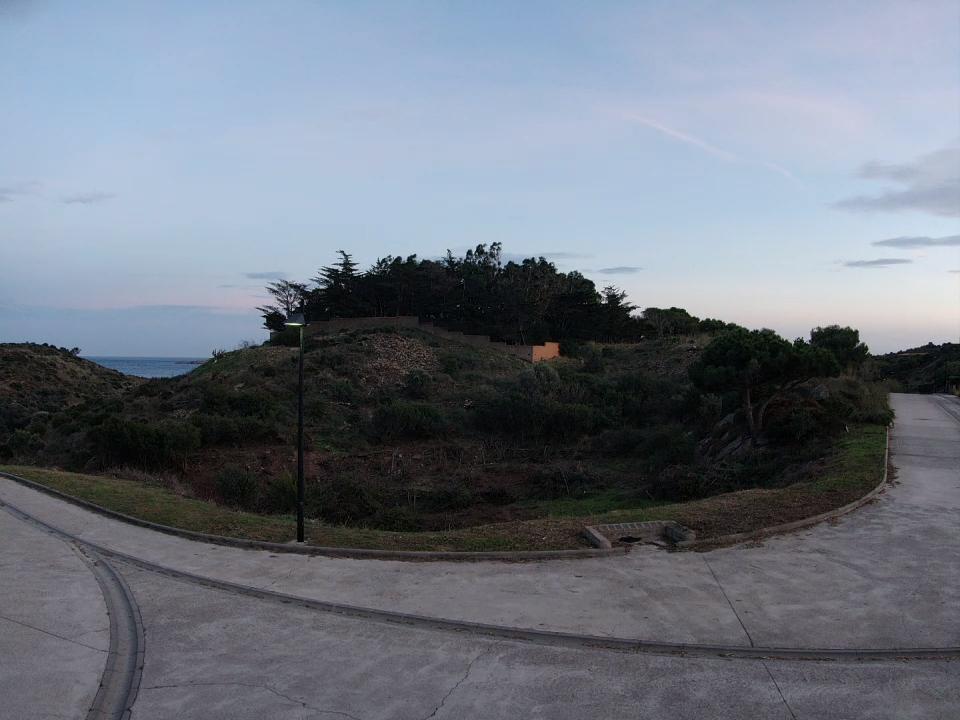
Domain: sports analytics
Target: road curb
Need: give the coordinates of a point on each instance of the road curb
(120, 681)
(355, 553)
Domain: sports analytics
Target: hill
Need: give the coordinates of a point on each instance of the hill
(407, 431)
(38, 382)
(930, 368)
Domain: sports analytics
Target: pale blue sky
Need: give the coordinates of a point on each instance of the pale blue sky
(152, 155)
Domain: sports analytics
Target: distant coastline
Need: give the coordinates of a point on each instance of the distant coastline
(148, 367)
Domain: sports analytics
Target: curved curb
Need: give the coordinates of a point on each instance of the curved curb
(734, 538)
(342, 552)
(540, 637)
(120, 681)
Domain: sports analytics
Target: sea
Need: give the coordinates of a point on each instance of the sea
(149, 367)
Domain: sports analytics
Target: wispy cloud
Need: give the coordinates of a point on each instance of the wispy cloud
(619, 270)
(705, 146)
(88, 198)
(931, 184)
(878, 263)
(918, 242)
(9, 192)
(266, 275)
(685, 138)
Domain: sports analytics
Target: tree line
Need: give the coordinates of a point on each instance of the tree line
(525, 302)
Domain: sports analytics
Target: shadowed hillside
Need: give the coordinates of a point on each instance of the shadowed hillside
(926, 369)
(407, 431)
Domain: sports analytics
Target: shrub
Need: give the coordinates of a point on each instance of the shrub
(238, 487)
(621, 441)
(668, 445)
(417, 384)
(342, 390)
(24, 443)
(447, 499)
(401, 419)
(800, 422)
(343, 500)
(571, 348)
(453, 361)
(397, 519)
(279, 495)
(128, 442)
(555, 482)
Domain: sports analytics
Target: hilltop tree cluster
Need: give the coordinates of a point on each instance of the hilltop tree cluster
(526, 302)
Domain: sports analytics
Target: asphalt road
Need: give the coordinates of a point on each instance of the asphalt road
(883, 580)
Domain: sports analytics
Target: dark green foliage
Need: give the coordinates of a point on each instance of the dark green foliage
(843, 342)
(448, 499)
(525, 302)
(801, 422)
(402, 419)
(279, 495)
(343, 500)
(417, 384)
(23, 444)
(288, 298)
(930, 368)
(149, 446)
(238, 487)
(232, 430)
(760, 365)
(397, 518)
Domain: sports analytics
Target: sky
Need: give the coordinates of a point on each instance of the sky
(774, 164)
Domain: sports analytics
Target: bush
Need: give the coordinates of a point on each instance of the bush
(417, 384)
(621, 441)
(343, 500)
(279, 495)
(127, 442)
(401, 419)
(445, 500)
(397, 519)
(24, 443)
(668, 445)
(238, 487)
(556, 482)
(452, 362)
(223, 430)
(342, 390)
(801, 422)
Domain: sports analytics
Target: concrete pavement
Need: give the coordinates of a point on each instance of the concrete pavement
(883, 577)
(54, 629)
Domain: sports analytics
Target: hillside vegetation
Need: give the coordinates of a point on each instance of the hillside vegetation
(930, 368)
(408, 432)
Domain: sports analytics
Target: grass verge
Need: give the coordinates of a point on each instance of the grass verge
(855, 468)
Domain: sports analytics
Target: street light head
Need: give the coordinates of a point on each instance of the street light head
(295, 320)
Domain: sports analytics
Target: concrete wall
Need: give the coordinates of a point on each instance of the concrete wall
(530, 353)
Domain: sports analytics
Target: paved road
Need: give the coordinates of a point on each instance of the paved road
(884, 577)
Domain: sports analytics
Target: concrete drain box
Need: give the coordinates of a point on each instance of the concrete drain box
(651, 532)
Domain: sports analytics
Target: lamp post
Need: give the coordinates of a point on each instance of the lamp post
(298, 320)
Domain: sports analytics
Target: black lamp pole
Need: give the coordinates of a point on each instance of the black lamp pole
(298, 320)
(300, 483)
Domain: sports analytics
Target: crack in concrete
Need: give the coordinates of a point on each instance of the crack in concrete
(259, 686)
(462, 680)
(727, 598)
(51, 634)
(90, 632)
(779, 691)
